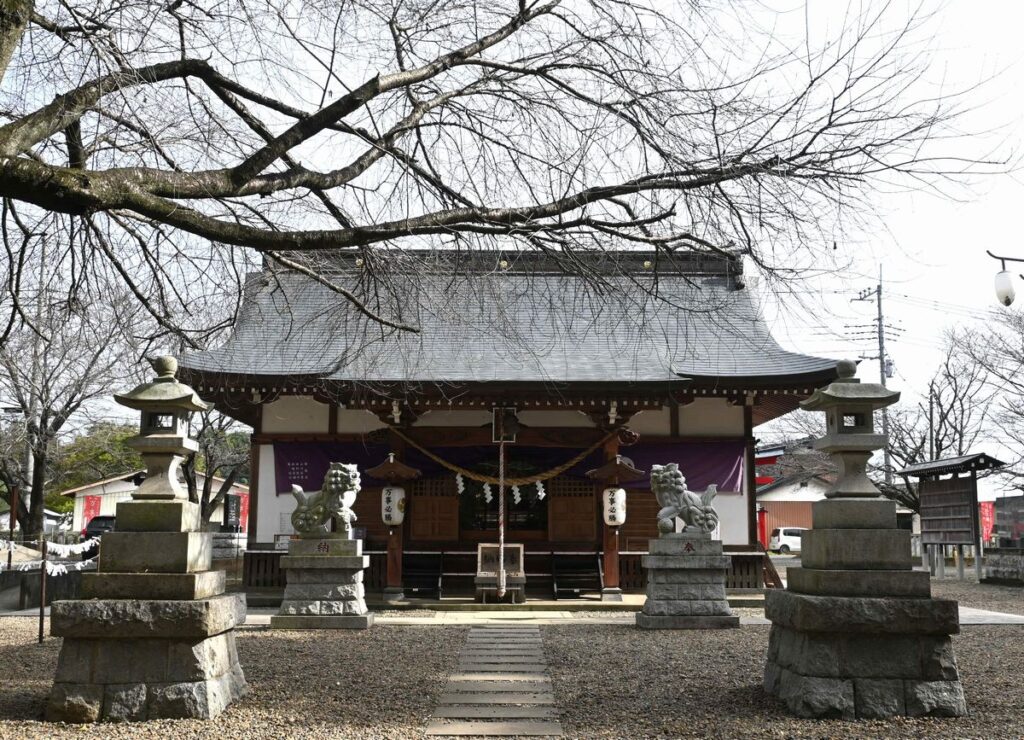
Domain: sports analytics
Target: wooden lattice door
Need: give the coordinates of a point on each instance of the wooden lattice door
(572, 511)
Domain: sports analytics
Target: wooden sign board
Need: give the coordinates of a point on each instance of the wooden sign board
(487, 560)
(949, 511)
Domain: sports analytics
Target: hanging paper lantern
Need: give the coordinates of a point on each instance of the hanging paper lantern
(614, 506)
(392, 505)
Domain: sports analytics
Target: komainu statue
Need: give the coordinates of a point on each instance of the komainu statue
(669, 487)
(314, 510)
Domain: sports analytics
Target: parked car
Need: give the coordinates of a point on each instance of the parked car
(96, 527)
(786, 539)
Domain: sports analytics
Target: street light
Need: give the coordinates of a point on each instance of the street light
(1005, 292)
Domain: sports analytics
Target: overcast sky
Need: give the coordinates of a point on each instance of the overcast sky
(932, 249)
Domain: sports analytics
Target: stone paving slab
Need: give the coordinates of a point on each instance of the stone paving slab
(499, 676)
(484, 711)
(498, 658)
(523, 728)
(499, 697)
(484, 686)
(498, 667)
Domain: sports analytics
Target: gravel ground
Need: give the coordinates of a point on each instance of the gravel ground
(981, 595)
(381, 683)
(613, 681)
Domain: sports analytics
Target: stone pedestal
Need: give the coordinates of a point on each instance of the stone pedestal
(153, 636)
(324, 585)
(686, 584)
(856, 634)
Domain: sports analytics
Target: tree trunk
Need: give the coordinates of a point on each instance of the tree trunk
(14, 16)
(225, 487)
(37, 503)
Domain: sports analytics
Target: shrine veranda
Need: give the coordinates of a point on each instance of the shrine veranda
(693, 396)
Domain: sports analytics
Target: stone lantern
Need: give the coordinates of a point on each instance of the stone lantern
(856, 633)
(163, 441)
(153, 634)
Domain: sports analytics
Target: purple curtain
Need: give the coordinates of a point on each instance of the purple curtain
(703, 463)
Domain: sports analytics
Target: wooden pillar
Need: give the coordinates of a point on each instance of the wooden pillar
(394, 582)
(393, 590)
(610, 543)
(750, 472)
(254, 477)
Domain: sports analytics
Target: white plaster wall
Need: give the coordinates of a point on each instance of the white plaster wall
(710, 417)
(732, 517)
(300, 414)
(267, 509)
(652, 421)
(458, 418)
(358, 421)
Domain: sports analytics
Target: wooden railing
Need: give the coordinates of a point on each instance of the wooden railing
(749, 571)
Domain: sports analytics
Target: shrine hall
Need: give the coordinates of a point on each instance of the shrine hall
(602, 364)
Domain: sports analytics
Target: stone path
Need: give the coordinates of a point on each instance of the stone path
(501, 687)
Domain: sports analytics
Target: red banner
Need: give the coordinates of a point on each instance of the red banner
(90, 508)
(987, 516)
(243, 512)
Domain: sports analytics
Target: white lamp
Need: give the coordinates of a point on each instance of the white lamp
(614, 506)
(1004, 287)
(392, 505)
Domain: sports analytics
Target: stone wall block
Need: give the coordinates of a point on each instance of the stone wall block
(299, 607)
(125, 702)
(772, 673)
(879, 698)
(355, 607)
(130, 618)
(198, 661)
(938, 663)
(179, 700)
(713, 591)
(883, 656)
(76, 660)
(856, 549)
(662, 591)
(934, 698)
(130, 661)
(825, 698)
(75, 702)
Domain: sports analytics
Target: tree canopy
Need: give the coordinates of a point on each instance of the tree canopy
(176, 145)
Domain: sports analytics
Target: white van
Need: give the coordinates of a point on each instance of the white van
(786, 539)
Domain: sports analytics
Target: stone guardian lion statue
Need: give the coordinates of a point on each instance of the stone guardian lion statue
(669, 487)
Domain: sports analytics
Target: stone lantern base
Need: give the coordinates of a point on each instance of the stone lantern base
(857, 635)
(324, 585)
(171, 659)
(153, 635)
(686, 584)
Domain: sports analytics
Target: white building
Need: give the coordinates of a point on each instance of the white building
(101, 498)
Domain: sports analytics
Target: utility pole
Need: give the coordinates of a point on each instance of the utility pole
(864, 295)
(931, 420)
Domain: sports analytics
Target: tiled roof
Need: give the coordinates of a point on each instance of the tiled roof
(507, 326)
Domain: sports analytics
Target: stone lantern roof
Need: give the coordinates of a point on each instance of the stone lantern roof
(847, 390)
(164, 391)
